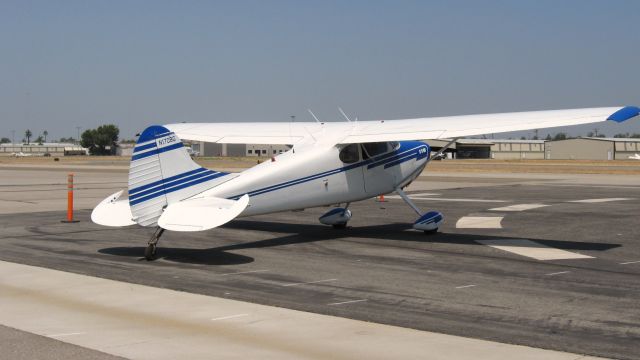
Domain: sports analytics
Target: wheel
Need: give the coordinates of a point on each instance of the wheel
(431, 232)
(340, 226)
(150, 252)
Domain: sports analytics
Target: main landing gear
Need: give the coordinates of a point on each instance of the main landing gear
(338, 217)
(150, 251)
(428, 222)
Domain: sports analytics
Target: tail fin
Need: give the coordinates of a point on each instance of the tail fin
(162, 172)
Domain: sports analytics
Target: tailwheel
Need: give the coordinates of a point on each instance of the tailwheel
(150, 250)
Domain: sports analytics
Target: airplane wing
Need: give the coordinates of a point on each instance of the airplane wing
(397, 130)
(245, 132)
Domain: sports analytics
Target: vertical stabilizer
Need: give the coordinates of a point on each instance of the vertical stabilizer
(161, 173)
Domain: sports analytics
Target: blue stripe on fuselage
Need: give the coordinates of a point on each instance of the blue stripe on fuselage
(408, 150)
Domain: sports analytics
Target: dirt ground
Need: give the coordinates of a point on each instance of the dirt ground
(622, 167)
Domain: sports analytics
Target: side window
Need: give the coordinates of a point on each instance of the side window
(349, 154)
(374, 149)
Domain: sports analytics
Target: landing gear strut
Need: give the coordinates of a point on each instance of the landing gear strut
(150, 251)
(429, 222)
(344, 215)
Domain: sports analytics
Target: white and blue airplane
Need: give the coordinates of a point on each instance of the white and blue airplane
(329, 163)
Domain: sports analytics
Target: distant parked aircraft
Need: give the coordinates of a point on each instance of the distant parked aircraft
(635, 157)
(329, 163)
(21, 154)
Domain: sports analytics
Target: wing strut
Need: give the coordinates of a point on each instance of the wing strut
(444, 148)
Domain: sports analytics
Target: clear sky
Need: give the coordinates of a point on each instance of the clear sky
(134, 63)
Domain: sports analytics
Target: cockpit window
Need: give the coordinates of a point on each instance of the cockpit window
(350, 154)
(374, 149)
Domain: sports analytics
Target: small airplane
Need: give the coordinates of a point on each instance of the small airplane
(329, 163)
(21, 154)
(635, 157)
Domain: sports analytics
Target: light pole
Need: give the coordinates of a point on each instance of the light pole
(13, 137)
(78, 138)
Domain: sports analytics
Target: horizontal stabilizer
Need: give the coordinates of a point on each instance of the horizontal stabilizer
(113, 212)
(201, 214)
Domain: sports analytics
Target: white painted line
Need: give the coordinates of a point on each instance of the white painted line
(347, 302)
(558, 273)
(310, 282)
(229, 317)
(464, 286)
(519, 207)
(411, 196)
(532, 249)
(459, 200)
(599, 200)
(243, 272)
(630, 262)
(479, 222)
(65, 334)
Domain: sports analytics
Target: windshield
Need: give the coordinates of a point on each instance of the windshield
(375, 149)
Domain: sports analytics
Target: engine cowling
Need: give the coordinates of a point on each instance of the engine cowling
(430, 221)
(337, 216)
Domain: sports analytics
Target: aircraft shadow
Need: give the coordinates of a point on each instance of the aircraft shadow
(302, 233)
(213, 256)
(308, 233)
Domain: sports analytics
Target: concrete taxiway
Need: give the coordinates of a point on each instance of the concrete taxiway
(544, 261)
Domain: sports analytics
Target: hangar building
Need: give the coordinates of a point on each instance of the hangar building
(491, 149)
(46, 149)
(592, 148)
(214, 149)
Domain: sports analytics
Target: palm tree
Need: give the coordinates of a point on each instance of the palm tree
(28, 134)
(45, 133)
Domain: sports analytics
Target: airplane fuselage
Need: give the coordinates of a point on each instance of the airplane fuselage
(311, 176)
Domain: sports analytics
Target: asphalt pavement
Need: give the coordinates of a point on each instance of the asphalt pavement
(380, 270)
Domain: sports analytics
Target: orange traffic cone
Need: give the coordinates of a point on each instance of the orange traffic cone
(381, 198)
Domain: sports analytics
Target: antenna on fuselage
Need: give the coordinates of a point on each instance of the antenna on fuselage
(314, 116)
(293, 119)
(343, 114)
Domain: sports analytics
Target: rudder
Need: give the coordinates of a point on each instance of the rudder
(161, 173)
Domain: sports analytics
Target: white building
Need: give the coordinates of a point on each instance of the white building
(46, 149)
